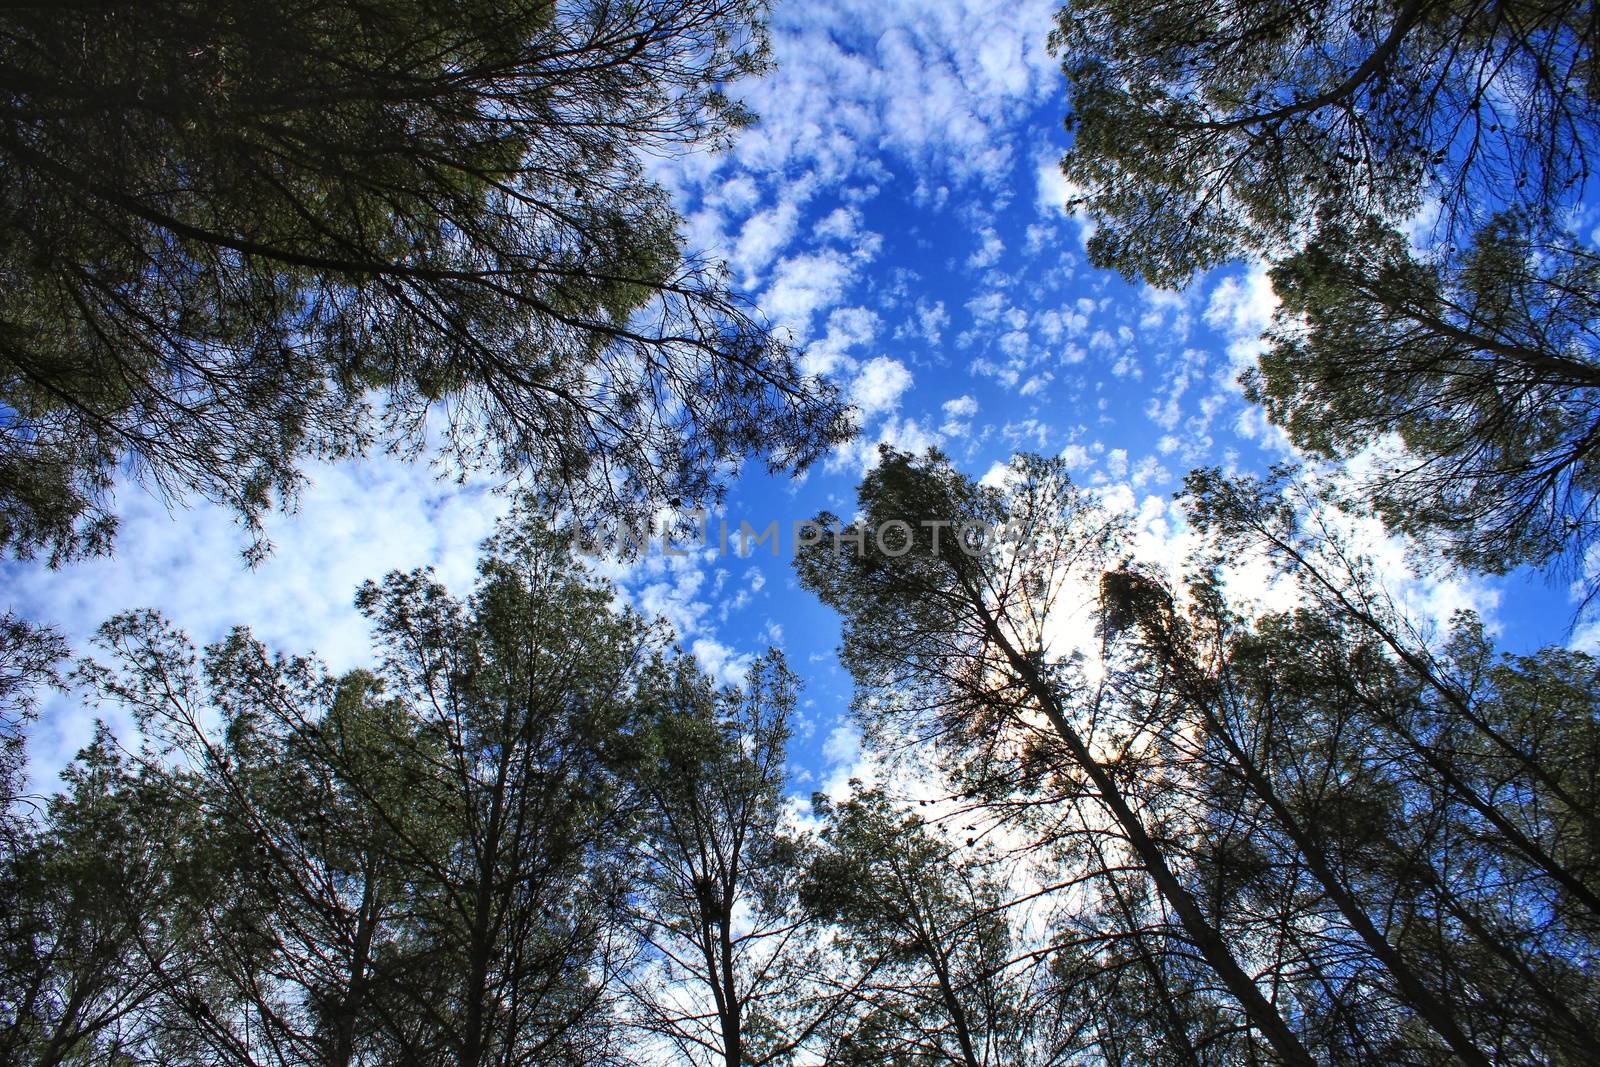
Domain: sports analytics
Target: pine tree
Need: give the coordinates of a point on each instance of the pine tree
(244, 235)
(1411, 173)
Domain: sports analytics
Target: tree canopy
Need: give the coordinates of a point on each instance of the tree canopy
(1307, 835)
(242, 235)
(1415, 174)
(1154, 822)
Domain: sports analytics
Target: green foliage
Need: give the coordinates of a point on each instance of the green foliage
(1312, 832)
(246, 234)
(487, 849)
(1201, 131)
(718, 865)
(29, 657)
(930, 928)
(422, 863)
(1483, 365)
(94, 932)
(1191, 832)
(1410, 172)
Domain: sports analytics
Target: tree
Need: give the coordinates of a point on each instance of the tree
(1369, 849)
(90, 927)
(1485, 365)
(946, 626)
(249, 234)
(735, 974)
(1201, 132)
(29, 659)
(1317, 136)
(931, 930)
(420, 864)
(526, 687)
(1345, 754)
(312, 832)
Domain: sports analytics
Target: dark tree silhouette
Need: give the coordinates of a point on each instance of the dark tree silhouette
(239, 235)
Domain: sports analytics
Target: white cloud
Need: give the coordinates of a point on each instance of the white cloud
(848, 328)
(804, 285)
(843, 224)
(355, 521)
(879, 386)
(1240, 308)
(764, 235)
(860, 455)
(1076, 457)
(962, 407)
(721, 662)
(1051, 193)
(956, 412)
(988, 251)
(931, 320)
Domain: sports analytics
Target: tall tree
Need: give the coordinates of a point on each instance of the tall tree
(930, 928)
(245, 234)
(421, 864)
(1413, 172)
(1201, 131)
(90, 925)
(1375, 849)
(526, 686)
(947, 626)
(1485, 365)
(312, 833)
(735, 974)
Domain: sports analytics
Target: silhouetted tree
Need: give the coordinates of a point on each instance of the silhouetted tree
(1411, 172)
(245, 234)
(91, 925)
(946, 626)
(422, 864)
(1368, 849)
(928, 925)
(735, 976)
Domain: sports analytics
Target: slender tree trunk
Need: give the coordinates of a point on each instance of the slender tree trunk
(732, 1011)
(1412, 989)
(958, 1014)
(350, 1009)
(1205, 937)
(1177, 1033)
(481, 936)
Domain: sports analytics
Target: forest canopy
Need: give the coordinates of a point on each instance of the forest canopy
(1180, 782)
(241, 236)
(536, 832)
(1415, 178)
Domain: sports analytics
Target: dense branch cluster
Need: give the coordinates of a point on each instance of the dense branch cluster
(239, 235)
(1418, 178)
(1302, 837)
(534, 834)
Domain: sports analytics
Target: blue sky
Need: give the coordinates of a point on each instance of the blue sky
(898, 212)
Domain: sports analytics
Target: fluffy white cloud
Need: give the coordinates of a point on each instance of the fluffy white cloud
(725, 665)
(1051, 193)
(860, 455)
(962, 407)
(848, 328)
(989, 249)
(355, 521)
(765, 234)
(879, 386)
(1240, 308)
(804, 285)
